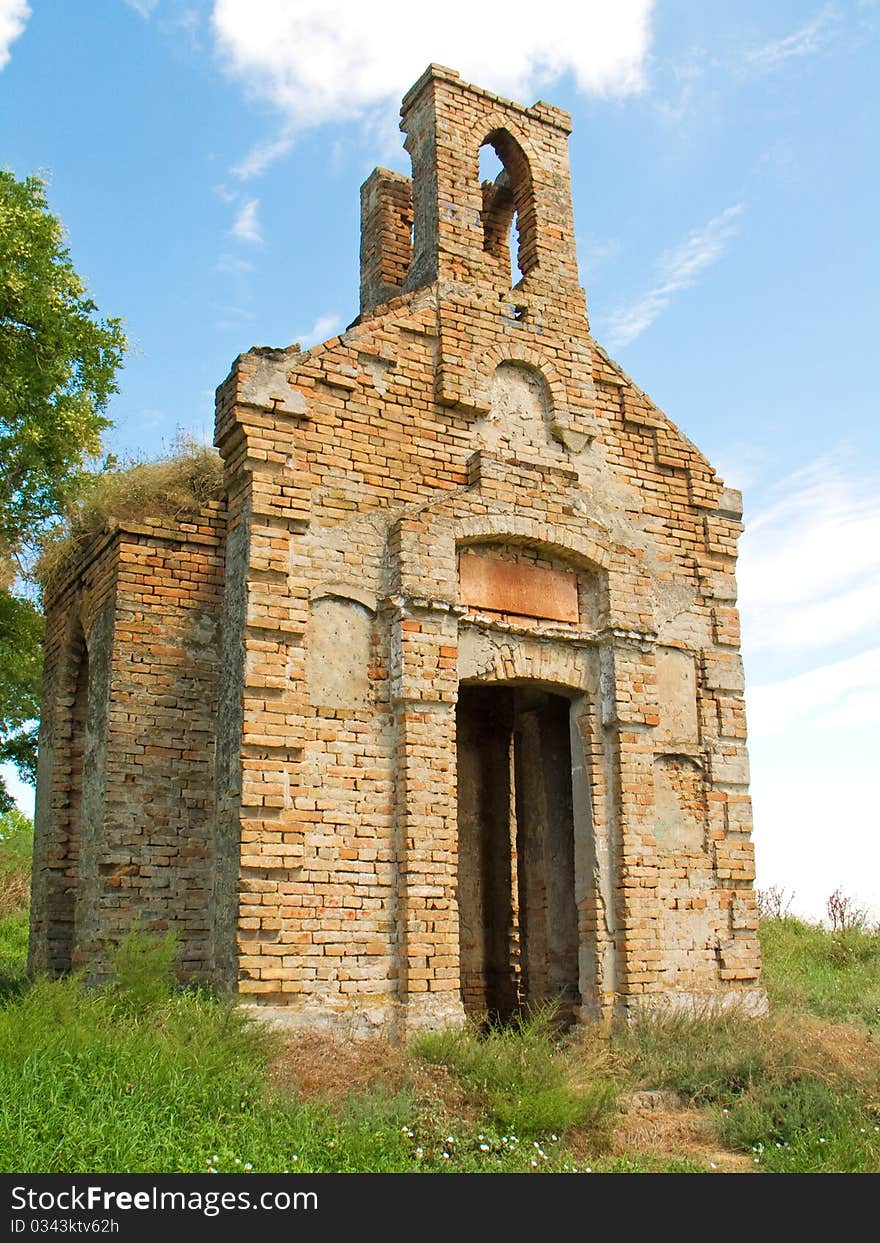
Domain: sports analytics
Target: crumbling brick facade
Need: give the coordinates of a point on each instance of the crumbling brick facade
(441, 710)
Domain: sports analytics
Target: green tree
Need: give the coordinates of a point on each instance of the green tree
(58, 362)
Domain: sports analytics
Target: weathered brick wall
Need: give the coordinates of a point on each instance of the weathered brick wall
(70, 774)
(457, 417)
(125, 807)
(466, 415)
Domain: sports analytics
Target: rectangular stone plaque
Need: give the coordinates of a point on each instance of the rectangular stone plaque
(497, 586)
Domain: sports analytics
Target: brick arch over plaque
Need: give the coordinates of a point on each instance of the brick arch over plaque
(590, 549)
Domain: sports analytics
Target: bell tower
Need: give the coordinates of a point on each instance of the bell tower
(444, 225)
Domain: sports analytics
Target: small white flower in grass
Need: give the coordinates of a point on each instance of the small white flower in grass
(248, 1166)
(238, 1160)
(535, 1164)
(450, 1139)
(215, 1158)
(822, 1139)
(212, 1170)
(712, 1165)
(484, 1147)
(588, 1170)
(446, 1156)
(420, 1152)
(294, 1157)
(555, 1139)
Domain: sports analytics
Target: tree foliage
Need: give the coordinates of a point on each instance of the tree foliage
(58, 362)
(21, 660)
(57, 366)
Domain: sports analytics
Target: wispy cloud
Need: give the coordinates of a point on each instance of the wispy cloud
(804, 42)
(14, 16)
(331, 60)
(324, 327)
(677, 269)
(231, 316)
(246, 226)
(809, 575)
(223, 194)
(262, 155)
(596, 252)
(839, 695)
(809, 566)
(234, 265)
(146, 8)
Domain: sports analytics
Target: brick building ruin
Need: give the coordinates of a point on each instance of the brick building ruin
(439, 709)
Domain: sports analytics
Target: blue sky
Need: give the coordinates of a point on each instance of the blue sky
(205, 157)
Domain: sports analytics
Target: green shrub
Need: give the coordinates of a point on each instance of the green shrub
(803, 1126)
(835, 975)
(143, 967)
(87, 1084)
(710, 1056)
(521, 1074)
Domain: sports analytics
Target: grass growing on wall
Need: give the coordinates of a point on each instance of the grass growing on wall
(144, 1076)
(172, 488)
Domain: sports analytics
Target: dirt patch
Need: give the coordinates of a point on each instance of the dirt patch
(660, 1128)
(317, 1065)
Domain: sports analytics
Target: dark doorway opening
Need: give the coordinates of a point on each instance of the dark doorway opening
(518, 922)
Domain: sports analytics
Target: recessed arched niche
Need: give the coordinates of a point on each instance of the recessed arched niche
(520, 409)
(679, 790)
(339, 640)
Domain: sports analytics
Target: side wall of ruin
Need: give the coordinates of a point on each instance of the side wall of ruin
(125, 795)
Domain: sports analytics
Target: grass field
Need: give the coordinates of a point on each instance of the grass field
(146, 1077)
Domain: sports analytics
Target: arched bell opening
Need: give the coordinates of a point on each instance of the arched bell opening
(508, 205)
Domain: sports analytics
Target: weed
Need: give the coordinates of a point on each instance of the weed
(522, 1075)
(835, 975)
(143, 967)
(774, 902)
(844, 915)
(169, 488)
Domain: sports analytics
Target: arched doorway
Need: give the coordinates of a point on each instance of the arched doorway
(518, 923)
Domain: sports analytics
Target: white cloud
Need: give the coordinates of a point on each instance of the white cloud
(809, 572)
(809, 565)
(234, 265)
(813, 835)
(804, 42)
(146, 8)
(332, 60)
(245, 226)
(14, 16)
(838, 695)
(324, 327)
(262, 155)
(677, 269)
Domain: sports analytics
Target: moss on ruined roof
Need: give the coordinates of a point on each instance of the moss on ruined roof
(172, 488)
